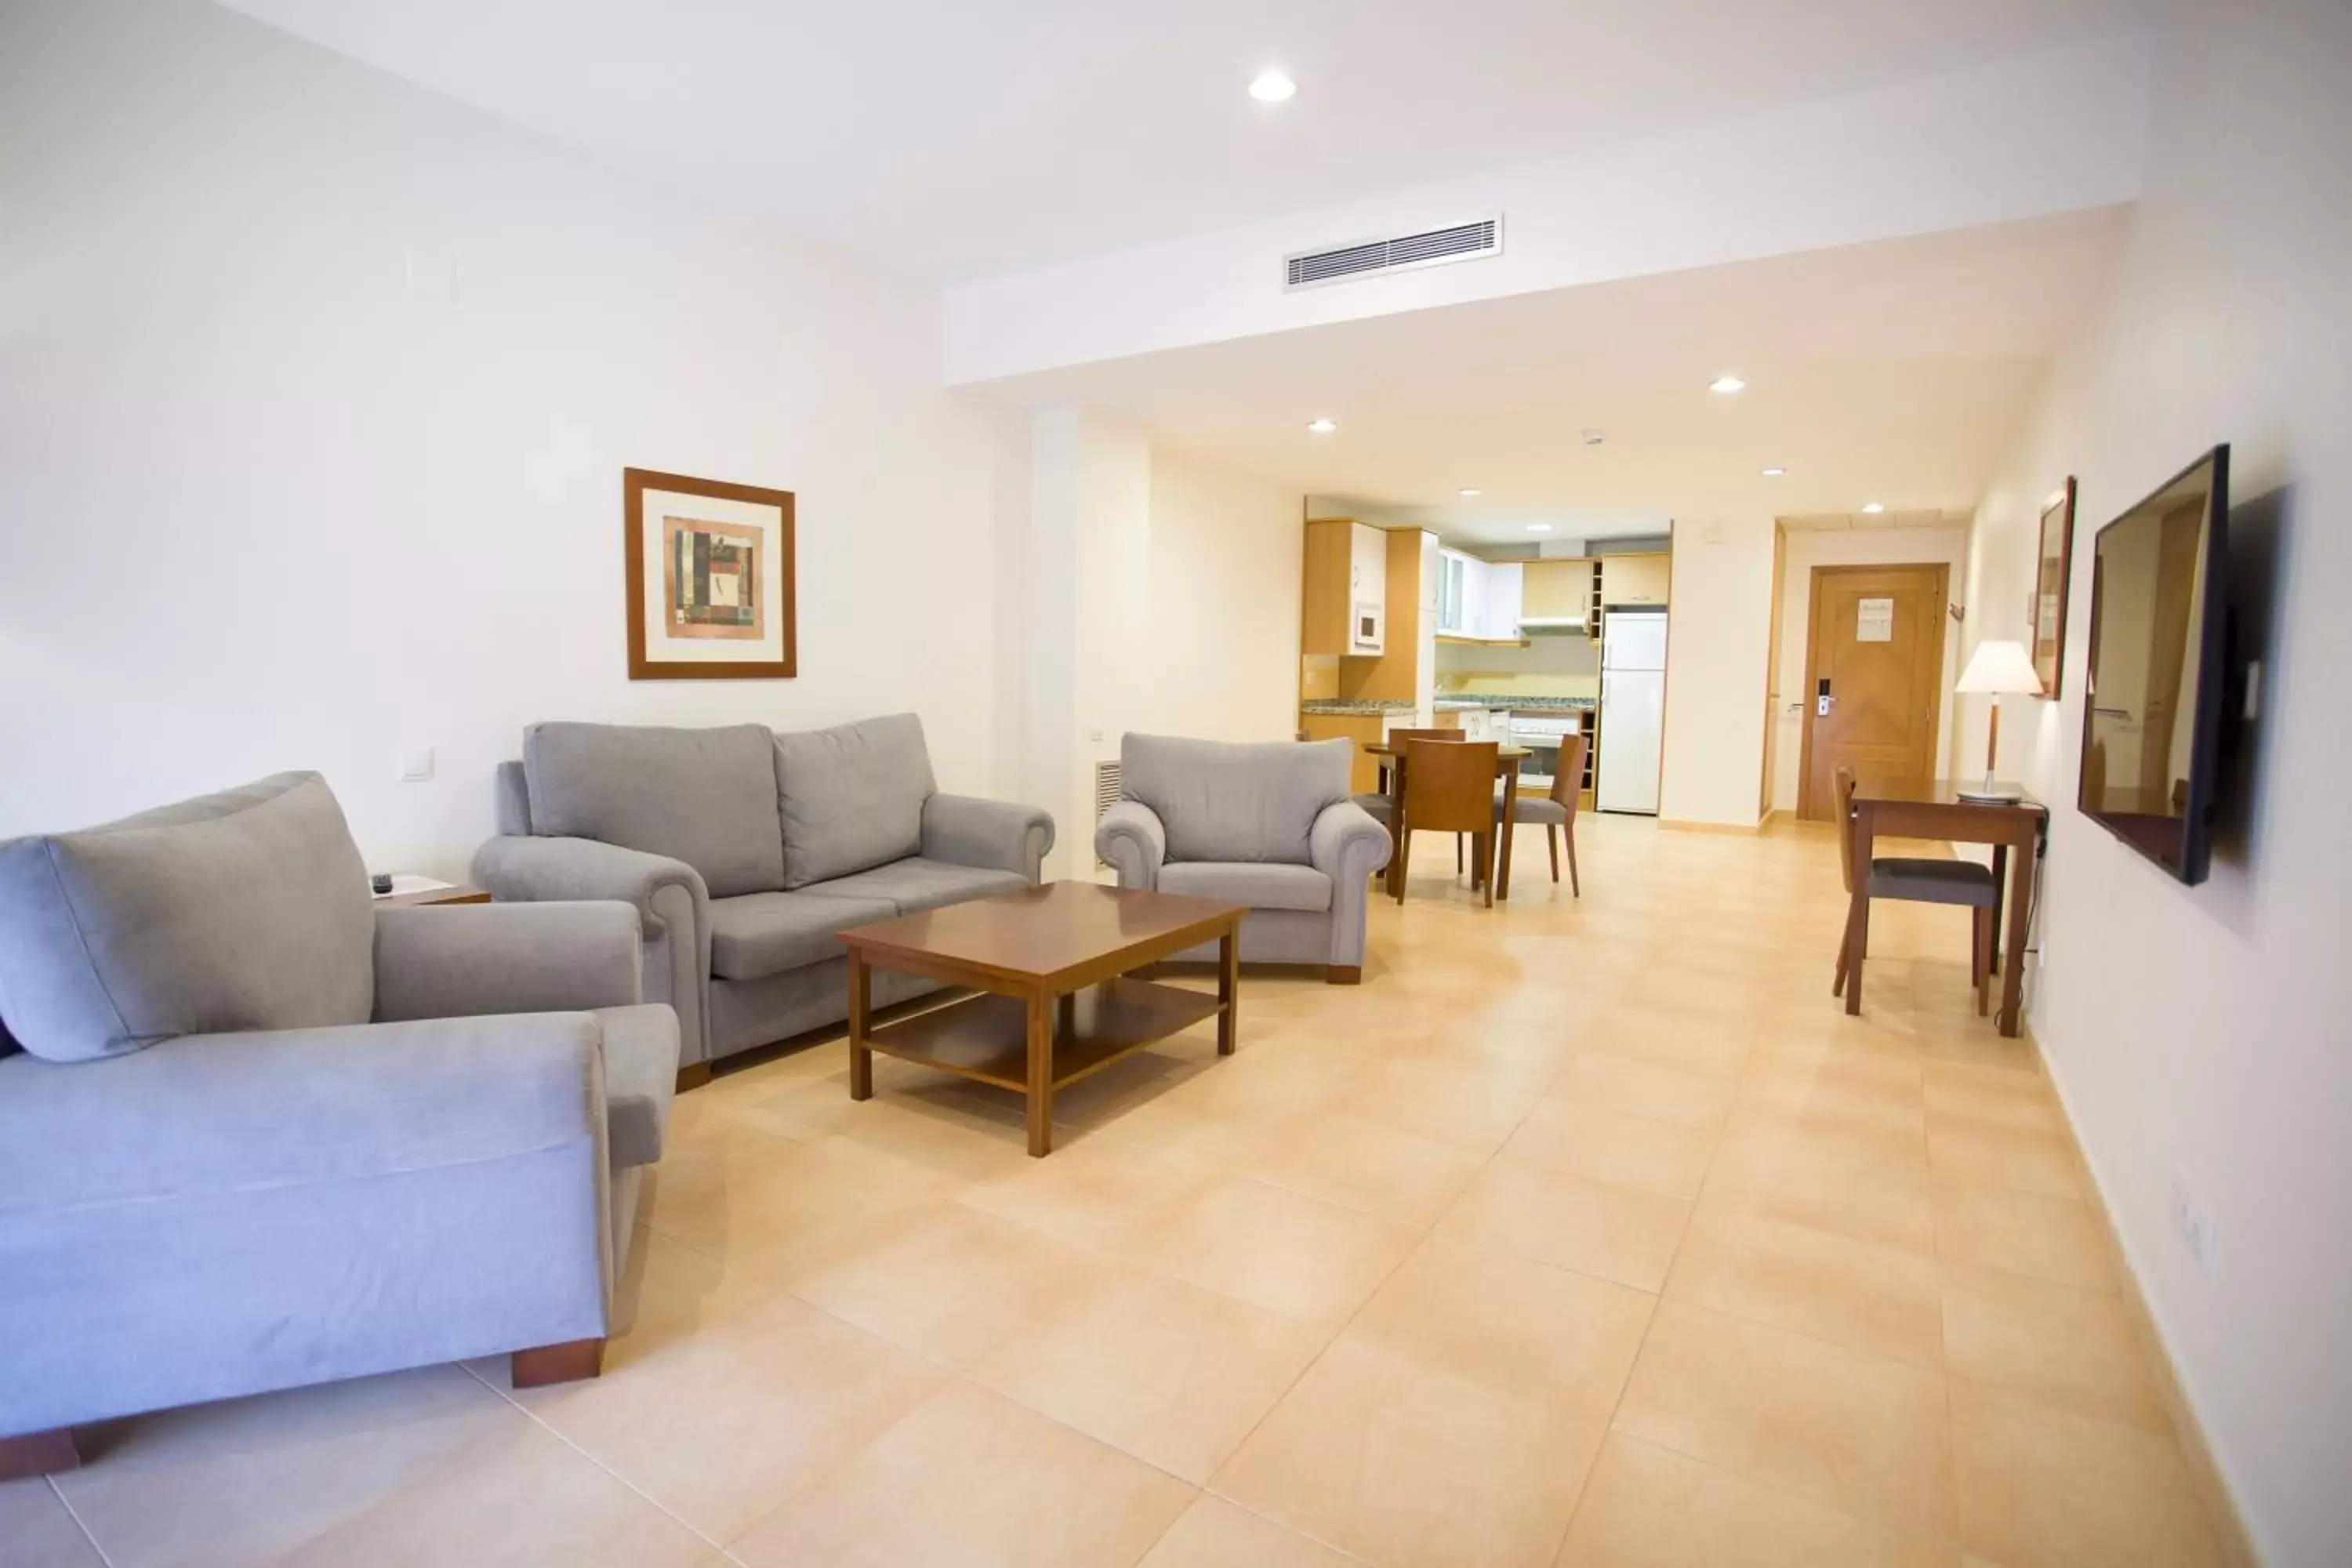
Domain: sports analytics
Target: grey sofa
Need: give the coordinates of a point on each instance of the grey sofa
(261, 1134)
(1269, 824)
(744, 851)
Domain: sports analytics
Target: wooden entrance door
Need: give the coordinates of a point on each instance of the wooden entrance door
(1877, 635)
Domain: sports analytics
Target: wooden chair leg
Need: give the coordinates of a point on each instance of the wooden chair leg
(1575, 885)
(567, 1363)
(1458, 854)
(1984, 968)
(1551, 840)
(38, 1453)
(1482, 844)
(1403, 854)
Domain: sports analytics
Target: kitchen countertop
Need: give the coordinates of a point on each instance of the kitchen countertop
(1344, 705)
(1460, 702)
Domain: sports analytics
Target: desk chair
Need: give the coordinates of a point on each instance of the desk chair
(1920, 881)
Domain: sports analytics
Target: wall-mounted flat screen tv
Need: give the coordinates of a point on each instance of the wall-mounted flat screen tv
(2152, 724)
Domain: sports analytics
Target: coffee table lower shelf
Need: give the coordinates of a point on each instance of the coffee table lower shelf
(987, 1037)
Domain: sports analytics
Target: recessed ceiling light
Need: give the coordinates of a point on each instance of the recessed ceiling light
(1539, 528)
(1471, 490)
(1872, 507)
(1322, 426)
(1273, 87)
(1774, 473)
(1727, 383)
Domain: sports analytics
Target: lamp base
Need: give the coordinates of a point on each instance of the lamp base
(1989, 793)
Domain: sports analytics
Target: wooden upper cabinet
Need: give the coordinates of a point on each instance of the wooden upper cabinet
(1555, 590)
(1635, 579)
(1346, 566)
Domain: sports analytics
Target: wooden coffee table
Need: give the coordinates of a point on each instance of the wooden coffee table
(1034, 952)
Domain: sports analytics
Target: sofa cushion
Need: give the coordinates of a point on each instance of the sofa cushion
(246, 909)
(1260, 884)
(1220, 801)
(853, 796)
(640, 1078)
(915, 884)
(760, 935)
(706, 797)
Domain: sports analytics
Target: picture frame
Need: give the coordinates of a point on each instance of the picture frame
(2053, 561)
(709, 570)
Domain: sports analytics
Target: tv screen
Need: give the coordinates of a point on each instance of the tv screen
(2151, 728)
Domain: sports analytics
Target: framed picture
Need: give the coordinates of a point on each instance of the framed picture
(709, 578)
(2051, 560)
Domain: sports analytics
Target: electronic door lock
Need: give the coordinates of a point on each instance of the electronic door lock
(1821, 698)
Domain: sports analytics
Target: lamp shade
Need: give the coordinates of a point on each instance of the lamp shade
(2003, 668)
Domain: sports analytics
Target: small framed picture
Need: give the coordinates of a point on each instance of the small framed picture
(2051, 560)
(709, 569)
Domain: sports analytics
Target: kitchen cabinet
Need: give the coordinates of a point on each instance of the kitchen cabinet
(1344, 608)
(1498, 602)
(1558, 593)
(1635, 579)
(1476, 598)
(1358, 729)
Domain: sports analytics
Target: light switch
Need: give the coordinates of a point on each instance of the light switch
(412, 766)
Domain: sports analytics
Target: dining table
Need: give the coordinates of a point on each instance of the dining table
(1937, 808)
(1507, 760)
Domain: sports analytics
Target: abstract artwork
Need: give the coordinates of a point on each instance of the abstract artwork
(2053, 560)
(709, 569)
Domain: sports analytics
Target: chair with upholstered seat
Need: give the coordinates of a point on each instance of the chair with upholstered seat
(1923, 881)
(1556, 812)
(1383, 808)
(1448, 788)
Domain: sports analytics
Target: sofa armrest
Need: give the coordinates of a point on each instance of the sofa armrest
(1132, 838)
(1347, 842)
(965, 830)
(467, 960)
(232, 1112)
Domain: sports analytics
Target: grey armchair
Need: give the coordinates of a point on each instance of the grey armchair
(261, 1134)
(744, 851)
(1270, 826)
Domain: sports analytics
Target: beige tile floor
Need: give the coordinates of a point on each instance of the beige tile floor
(1584, 1232)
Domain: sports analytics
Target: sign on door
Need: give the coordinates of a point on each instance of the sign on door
(1874, 621)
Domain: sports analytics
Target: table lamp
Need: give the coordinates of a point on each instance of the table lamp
(1997, 668)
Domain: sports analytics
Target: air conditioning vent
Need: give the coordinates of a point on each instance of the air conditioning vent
(1461, 242)
(1106, 794)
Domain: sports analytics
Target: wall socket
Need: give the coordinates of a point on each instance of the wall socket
(413, 765)
(2195, 1225)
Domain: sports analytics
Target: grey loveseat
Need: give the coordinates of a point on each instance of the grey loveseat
(1270, 826)
(261, 1134)
(744, 851)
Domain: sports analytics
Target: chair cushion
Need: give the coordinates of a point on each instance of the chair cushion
(640, 1078)
(1933, 881)
(1380, 806)
(704, 796)
(246, 909)
(1541, 808)
(853, 796)
(760, 934)
(1260, 884)
(915, 883)
(1221, 801)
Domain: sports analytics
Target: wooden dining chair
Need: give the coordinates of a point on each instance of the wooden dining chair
(1556, 811)
(1383, 808)
(1449, 788)
(1917, 880)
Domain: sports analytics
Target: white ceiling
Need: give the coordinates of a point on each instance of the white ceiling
(1894, 373)
(950, 139)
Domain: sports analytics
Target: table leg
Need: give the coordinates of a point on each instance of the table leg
(1503, 843)
(1999, 879)
(1041, 1075)
(861, 1055)
(1857, 914)
(2012, 947)
(1396, 817)
(1229, 986)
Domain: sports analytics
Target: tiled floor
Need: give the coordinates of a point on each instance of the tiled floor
(1583, 1233)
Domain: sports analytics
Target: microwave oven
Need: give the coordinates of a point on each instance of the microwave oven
(1364, 628)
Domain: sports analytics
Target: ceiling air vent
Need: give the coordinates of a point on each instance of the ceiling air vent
(1461, 242)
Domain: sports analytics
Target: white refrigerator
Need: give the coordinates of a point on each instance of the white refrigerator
(1632, 709)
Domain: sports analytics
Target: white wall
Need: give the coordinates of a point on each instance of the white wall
(1166, 597)
(1808, 548)
(1719, 647)
(315, 392)
(2024, 138)
(2204, 1034)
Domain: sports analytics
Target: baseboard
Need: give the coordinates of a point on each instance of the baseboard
(2230, 1534)
(1684, 824)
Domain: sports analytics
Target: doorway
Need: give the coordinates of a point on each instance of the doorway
(1874, 644)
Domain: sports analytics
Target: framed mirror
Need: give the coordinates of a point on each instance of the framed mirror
(2051, 560)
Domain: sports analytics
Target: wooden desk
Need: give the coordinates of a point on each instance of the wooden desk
(1935, 810)
(1506, 768)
